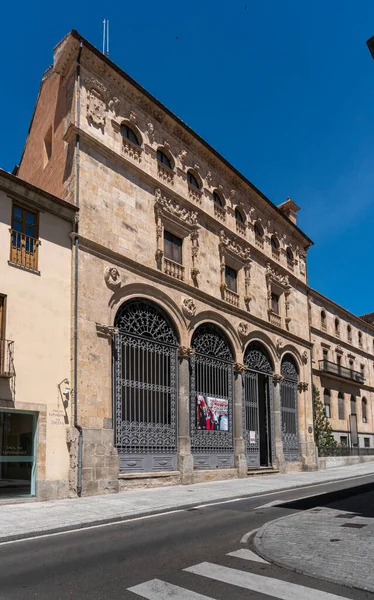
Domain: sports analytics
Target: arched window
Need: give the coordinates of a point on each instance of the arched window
(349, 333)
(326, 402)
(341, 411)
(360, 339)
(364, 410)
(274, 242)
(353, 405)
(239, 216)
(323, 319)
(289, 254)
(191, 179)
(129, 134)
(212, 395)
(145, 367)
(259, 232)
(164, 159)
(217, 199)
(337, 327)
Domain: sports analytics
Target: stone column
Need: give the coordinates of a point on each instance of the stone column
(239, 444)
(307, 445)
(185, 459)
(278, 443)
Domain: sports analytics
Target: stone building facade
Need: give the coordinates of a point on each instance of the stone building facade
(193, 341)
(35, 311)
(343, 369)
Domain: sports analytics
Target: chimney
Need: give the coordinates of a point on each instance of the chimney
(289, 208)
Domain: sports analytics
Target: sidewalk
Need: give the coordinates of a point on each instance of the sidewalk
(335, 543)
(24, 520)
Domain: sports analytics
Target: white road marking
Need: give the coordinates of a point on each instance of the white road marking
(276, 503)
(246, 537)
(248, 555)
(160, 590)
(258, 583)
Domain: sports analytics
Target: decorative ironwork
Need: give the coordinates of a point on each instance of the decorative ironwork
(145, 369)
(257, 359)
(211, 375)
(344, 372)
(258, 406)
(289, 408)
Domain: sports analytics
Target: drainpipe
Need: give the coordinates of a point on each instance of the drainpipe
(76, 247)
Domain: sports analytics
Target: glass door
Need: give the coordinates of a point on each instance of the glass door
(17, 453)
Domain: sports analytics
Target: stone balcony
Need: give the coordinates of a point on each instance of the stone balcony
(173, 269)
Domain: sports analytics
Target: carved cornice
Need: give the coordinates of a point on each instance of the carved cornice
(275, 275)
(230, 245)
(173, 208)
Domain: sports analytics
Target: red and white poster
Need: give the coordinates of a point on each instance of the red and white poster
(212, 414)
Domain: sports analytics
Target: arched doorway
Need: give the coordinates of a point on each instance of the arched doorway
(258, 405)
(290, 425)
(211, 399)
(145, 388)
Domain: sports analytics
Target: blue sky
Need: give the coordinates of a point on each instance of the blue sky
(283, 89)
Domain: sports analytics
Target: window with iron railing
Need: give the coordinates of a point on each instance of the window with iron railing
(24, 242)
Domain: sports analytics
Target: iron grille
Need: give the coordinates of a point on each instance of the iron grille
(146, 386)
(211, 376)
(289, 407)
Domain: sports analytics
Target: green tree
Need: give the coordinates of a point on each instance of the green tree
(322, 428)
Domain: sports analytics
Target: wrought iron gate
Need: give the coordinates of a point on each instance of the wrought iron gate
(290, 427)
(211, 377)
(145, 402)
(258, 419)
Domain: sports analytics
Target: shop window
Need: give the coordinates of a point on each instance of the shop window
(17, 447)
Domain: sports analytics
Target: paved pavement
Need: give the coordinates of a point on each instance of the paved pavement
(19, 521)
(333, 542)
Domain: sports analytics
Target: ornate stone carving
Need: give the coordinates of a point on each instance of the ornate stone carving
(302, 263)
(185, 352)
(302, 386)
(189, 308)
(304, 357)
(279, 346)
(339, 349)
(276, 276)
(182, 157)
(171, 206)
(277, 378)
(133, 117)
(243, 329)
(151, 131)
(231, 245)
(106, 329)
(97, 97)
(112, 277)
(239, 368)
(209, 178)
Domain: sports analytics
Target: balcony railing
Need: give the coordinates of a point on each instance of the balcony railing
(6, 358)
(132, 150)
(173, 269)
(219, 212)
(333, 369)
(230, 296)
(194, 193)
(24, 250)
(165, 173)
(259, 241)
(240, 228)
(275, 319)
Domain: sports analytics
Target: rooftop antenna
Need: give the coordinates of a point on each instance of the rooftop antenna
(106, 37)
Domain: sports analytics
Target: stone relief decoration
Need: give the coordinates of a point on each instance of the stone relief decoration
(279, 346)
(185, 352)
(209, 178)
(171, 206)
(112, 278)
(277, 379)
(302, 386)
(281, 281)
(339, 350)
(277, 277)
(97, 99)
(133, 117)
(182, 156)
(304, 357)
(151, 132)
(189, 308)
(107, 330)
(194, 254)
(243, 329)
(302, 263)
(229, 244)
(239, 368)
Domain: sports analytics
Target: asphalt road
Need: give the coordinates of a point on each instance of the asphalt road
(151, 555)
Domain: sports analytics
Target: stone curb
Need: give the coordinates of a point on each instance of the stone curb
(158, 511)
(259, 548)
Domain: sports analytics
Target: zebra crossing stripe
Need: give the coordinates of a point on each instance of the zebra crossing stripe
(258, 583)
(248, 555)
(161, 590)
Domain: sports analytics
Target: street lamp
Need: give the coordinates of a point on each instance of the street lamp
(370, 45)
